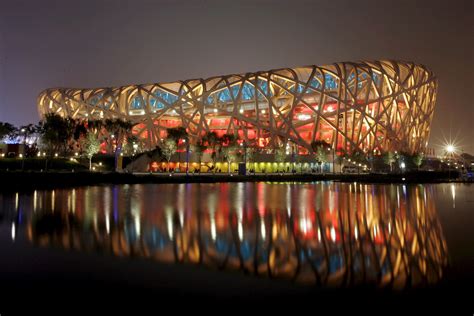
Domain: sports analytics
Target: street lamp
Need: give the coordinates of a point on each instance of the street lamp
(244, 144)
(187, 156)
(450, 149)
(22, 161)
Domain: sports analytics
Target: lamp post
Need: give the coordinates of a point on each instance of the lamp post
(450, 150)
(244, 144)
(292, 158)
(187, 156)
(23, 131)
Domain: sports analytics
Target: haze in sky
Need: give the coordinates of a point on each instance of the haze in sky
(53, 43)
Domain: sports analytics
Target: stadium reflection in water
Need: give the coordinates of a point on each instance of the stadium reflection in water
(329, 234)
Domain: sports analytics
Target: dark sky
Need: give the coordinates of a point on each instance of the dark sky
(107, 43)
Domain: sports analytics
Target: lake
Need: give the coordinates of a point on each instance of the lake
(223, 239)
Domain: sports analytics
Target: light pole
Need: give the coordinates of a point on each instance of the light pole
(292, 158)
(187, 156)
(334, 160)
(244, 144)
(23, 131)
(450, 150)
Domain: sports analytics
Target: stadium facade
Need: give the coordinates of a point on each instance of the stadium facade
(370, 106)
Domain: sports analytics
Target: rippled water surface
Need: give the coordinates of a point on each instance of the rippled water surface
(323, 234)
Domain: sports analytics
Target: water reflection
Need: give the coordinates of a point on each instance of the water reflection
(329, 234)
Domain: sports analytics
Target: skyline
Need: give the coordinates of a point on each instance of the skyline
(62, 44)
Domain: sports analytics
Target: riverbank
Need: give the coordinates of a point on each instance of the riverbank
(17, 180)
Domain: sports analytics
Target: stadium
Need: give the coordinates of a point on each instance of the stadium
(373, 106)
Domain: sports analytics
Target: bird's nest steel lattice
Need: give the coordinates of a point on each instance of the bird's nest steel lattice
(369, 106)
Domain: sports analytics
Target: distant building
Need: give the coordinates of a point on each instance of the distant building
(11, 150)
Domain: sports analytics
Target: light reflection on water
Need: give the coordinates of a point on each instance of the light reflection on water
(325, 233)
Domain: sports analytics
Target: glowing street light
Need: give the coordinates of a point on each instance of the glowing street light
(450, 149)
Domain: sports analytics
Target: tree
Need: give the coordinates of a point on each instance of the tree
(320, 148)
(6, 130)
(418, 159)
(228, 140)
(199, 148)
(168, 149)
(177, 133)
(26, 132)
(228, 148)
(91, 146)
(389, 158)
(321, 157)
(280, 154)
(212, 141)
(340, 155)
(119, 131)
(357, 156)
(132, 146)
(319, 143)
(56, 132)
(249, 154)
(229, 153)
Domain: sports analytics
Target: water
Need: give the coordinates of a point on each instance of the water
(280, 237)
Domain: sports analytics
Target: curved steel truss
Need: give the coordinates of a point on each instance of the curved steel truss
(370, 106)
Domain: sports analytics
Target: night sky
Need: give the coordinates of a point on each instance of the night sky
(108, 43)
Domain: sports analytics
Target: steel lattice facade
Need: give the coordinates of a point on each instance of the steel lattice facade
(369, 106)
